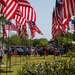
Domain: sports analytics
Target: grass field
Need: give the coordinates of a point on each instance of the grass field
(17, 62)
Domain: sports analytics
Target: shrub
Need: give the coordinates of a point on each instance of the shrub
(71, 54)
(55, 67)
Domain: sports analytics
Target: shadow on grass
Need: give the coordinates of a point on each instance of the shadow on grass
(2, 71)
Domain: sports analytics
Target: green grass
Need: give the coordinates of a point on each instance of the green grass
(17, 62)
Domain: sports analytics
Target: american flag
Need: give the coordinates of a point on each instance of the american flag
(18, 26)
(69, 8)
(20, 19)
(28, 13)
(9, 8)
(24, 3)
(57, 27)
(25, 14)
(33, 28)
(3, 2)
(53, 23)
(63, 20)
(59, 16)
(64, 10)
(10, 26)
(23, 31)
(20, 10)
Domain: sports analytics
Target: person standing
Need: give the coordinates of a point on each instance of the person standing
(62, 50)
(9, 53)
(1, 55)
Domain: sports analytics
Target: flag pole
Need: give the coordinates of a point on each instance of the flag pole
(29, 34)
(9, 46)
(67, 37)
(2, 36)
(2, 23)
(2, 20)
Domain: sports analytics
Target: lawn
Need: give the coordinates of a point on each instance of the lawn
(17, 62)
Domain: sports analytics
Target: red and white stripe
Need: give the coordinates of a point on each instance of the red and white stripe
(3, 2)
(20, 19)
(10, 27)
(25, 14)
(10, 9)
(18, 26)
(54, 24)
(69, 8)
(24, 3)
(28, 13)
(23, 31)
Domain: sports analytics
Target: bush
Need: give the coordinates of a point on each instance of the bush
(56, 67)
(71, 54)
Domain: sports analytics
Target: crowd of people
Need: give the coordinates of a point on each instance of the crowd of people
(27, 51)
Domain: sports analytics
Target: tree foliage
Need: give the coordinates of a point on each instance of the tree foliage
(25, 41)
(65, 40)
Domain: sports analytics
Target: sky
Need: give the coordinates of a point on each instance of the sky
(44, 9)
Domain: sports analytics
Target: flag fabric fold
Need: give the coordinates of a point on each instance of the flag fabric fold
(33, 28)
(9, 9)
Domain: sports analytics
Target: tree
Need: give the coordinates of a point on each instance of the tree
(65, 40)
(43, 42)
(15, 40)
(24, 41)
(35, 42)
